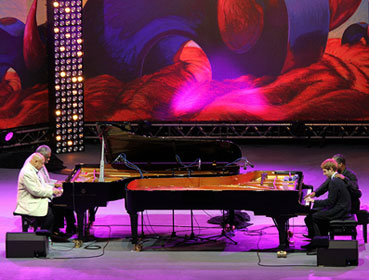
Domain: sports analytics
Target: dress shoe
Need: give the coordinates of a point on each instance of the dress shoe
(311, 252)
(307, 236)
(58, 238)
(308, 246)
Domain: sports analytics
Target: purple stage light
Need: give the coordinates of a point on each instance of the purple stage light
(9, 136)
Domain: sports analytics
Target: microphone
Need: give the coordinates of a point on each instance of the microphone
(247, 163)
(199, 164)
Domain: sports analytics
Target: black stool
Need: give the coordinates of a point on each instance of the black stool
(345, 226)
(363, 219)
(28, 221)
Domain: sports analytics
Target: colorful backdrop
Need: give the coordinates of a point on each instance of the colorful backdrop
(191, 60)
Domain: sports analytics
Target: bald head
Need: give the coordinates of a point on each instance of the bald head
(37, 160)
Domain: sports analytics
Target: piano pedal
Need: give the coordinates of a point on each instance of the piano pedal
(77, 243)
(138, 247)
(282, 254)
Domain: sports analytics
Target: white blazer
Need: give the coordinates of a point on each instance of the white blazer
(33, 195)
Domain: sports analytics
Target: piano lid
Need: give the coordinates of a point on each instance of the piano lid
(159, 150)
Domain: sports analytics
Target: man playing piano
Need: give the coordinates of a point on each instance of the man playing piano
(33, 194)
(349, 177)
(336, 206)
(59, 212)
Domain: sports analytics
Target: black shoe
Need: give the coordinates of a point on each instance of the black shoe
(307, 236)
(58, 238)
(58, 233)
(308, 246)
(311, 252)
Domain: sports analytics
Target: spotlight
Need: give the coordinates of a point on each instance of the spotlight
(9, 136)
(66, 79)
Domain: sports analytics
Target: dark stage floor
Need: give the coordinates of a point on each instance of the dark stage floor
(163, 257)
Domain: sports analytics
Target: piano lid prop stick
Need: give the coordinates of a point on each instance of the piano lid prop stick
(101, 176)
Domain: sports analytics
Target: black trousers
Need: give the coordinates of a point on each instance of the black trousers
(317, 221)
(316, 226)
(47, 222)
(60, 213)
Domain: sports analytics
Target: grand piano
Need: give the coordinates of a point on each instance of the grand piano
(131, 156)
(276, 194)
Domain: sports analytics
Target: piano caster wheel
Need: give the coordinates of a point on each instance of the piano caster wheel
(138, 247)
(282, 254)
(77, 243)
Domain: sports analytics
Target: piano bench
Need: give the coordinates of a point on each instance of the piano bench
(345, 226)
(363, 219)
(28, 221)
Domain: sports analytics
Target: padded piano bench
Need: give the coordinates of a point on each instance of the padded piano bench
(28, 221)
(363, 219)
(345, 226)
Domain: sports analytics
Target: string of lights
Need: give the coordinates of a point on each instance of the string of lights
(66, 82)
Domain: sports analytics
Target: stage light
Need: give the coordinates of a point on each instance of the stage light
(9, 136)
(67, 88)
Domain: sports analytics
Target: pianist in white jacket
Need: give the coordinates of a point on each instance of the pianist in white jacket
(33, 194)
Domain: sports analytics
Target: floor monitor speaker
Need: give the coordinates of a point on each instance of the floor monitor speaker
(339, 253)
(26, 245)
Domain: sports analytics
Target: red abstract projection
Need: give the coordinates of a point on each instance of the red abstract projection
(239, 60)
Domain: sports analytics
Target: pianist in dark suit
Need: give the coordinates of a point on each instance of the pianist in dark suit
(350, 179)
(336, 206)
(33, 194)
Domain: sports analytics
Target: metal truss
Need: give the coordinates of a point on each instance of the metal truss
(293, 130)
(25, 137)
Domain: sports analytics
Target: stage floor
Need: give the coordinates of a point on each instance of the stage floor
(163, 257)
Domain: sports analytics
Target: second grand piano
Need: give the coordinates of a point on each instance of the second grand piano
(276, 194)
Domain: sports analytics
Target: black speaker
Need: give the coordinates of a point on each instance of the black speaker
(339, 253)
(26, 245)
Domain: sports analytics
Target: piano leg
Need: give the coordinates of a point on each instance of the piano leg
(281, 223)
(81, 217)
(134, 225)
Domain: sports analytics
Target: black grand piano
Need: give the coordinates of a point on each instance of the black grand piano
(276, 194)
(131, 156)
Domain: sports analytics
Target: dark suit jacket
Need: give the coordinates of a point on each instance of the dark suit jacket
(338, 203)
(352, 186)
